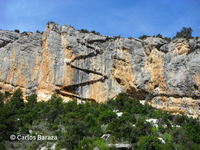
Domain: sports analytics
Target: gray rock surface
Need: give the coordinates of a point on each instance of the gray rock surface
(90, 67)
(7, 37)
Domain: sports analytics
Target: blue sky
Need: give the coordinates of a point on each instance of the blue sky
(109, 17)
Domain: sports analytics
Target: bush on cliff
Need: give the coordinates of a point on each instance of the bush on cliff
(192, 49)
(143, 37)
(16, 30)
(184, 33)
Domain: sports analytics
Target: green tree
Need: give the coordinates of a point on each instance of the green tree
(149, 142)
(117, 37)
(90, 143)
(167, 137)
(101, 144)
(86, 144)
(28, 119)
(159, 35)
(126, 117)
(1, 99)
(90, 120)
(143, 37)
(168, 142)
(168, 39)
(37, 31)
(70, 106)
(84, 31)
(107, 116)
(120, 100)
(94, 32)
(140, 122)
(16, 30)
(31, 101)
(143, 128)
(52, 114)
(17, 99)
(185, 32)
(154, 130)
(2, 146)
(7, 95)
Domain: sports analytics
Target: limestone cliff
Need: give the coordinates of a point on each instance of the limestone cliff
(90, 67)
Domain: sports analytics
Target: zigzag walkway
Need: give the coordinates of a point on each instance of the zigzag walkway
(63, 89)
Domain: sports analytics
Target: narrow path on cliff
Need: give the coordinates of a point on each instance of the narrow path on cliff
(65, 90)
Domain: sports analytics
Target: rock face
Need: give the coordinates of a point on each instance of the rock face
(90, 67)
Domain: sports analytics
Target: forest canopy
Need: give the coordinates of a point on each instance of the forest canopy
(81, 126)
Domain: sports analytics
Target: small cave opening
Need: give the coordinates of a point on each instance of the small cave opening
(71, 89)
(155, 86)
(196, 87)
(159, 46)
(138, 94)
(118, 80)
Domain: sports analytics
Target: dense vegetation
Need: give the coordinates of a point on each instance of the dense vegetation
(86, 31)
(184, 33)
(80, 126)
(168, 39)
(4, 43)
(192, 49)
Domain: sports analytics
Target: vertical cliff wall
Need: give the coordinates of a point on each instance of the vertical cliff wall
(94, 68)
(20, 60)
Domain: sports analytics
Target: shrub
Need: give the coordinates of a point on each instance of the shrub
(101, 144)
(1, 99)
(143, 37)
(84, 31)
(86, 144)
(167, 137)
(24, 130)
(25, 33)
(18, 94)
(71, 106)
(17, 99)
(117, 37)
(37, 31)
(90, 120)
(149, 142)
(184, 33)
(7, 94)
(2, 146)
(32, 100)
(161, 128)
(120, 100)
(192, 49)
(126, 117)
(159, 35)
(4, 43)
(94, 32)
(28, 119)
(107, 116)
(140, 122)
(168, 39)
(50, 22)
(52, 115)
(16, 30)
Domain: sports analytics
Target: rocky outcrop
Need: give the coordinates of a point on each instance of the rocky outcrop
(20, 61)
(90, 67)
